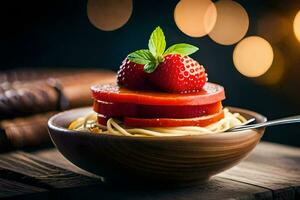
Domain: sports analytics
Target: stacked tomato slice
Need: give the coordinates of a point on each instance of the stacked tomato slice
(158, 109)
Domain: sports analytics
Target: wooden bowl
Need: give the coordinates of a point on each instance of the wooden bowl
(160, 161)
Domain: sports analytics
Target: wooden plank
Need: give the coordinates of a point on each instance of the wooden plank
(29, 169)
(13, 190)
(52, 156)
(217, 188)
(283, 157)
(271, 166)
(277, 155)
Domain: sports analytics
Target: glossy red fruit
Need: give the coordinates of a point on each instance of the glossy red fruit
(170, 122)
(210, 93)
(131, 75)
(154, 111)
(179, 74)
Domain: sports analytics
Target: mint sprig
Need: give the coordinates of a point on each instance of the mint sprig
(157, 42)
(143, 56)
(182, 49)
(155, 55)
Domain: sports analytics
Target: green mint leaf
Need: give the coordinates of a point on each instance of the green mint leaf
(142, 56)
(150, 67)
(157, 42)
(182, 49)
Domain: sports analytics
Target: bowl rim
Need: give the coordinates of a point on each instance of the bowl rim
(60, 129)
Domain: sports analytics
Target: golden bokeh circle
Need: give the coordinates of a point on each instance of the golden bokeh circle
(253, 56)
(296, 25)
(109, 15)
(195, 18)
(232, 23)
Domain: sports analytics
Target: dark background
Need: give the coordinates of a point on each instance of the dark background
(58, 34)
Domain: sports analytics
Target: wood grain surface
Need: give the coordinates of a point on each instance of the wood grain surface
(19, 190)
(270, 172)
(29, 169)
(272, 166)
(52, 156)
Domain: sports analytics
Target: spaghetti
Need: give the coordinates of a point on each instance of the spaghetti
(115, 127)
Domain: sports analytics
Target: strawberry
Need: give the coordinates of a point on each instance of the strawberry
(131, 75)
(179, 74)
(170, 70)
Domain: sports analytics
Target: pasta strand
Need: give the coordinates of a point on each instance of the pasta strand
(114, 127)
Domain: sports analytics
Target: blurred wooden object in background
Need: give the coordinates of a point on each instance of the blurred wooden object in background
(29, 97)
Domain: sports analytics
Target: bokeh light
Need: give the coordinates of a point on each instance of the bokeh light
(195, 18)
(276, 72)
(253, 56)
(232, 23)
(273, 27)
(296, 25)
(109, 15)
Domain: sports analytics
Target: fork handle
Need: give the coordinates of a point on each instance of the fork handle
(286, 120)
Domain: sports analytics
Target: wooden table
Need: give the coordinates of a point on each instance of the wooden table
(272, 171)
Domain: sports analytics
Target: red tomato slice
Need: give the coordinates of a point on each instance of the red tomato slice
(169, 122)
(211, 93)
(154, 111)
(190, 111)
(115, 109)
